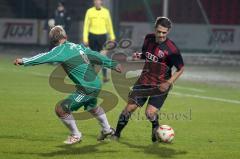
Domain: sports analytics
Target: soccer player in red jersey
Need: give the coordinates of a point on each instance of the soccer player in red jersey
(156, 79)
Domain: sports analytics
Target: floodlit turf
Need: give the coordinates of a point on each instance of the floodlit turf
(205, 126)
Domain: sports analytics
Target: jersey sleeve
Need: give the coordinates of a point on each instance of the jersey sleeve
(144, 48)
(176, 60)
(86, 27)
(55, 55)
(99, 59)
(110, 26)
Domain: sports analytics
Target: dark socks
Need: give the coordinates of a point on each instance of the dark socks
(122, 122)
(155, 123)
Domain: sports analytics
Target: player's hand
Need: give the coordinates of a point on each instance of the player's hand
(104, 52)
(119, 68)
(163, 87)
(136, 56)
(18, 62)
(86, 44)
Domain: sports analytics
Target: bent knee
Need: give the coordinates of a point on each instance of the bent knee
(62, 108)
(130, 108)
(151, 115)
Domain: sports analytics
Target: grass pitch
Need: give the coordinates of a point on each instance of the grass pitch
(205, 119)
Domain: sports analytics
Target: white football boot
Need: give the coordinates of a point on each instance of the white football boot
(72, 139)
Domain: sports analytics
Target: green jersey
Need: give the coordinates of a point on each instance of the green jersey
(77, 60)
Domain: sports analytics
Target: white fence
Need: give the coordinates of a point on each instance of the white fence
(18, 31)
(186, 36)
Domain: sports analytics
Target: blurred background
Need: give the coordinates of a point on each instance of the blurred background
(206, 31)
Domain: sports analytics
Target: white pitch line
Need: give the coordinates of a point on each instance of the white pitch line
(181, 94)
(40, 74)
(190, 89)
(205, 97)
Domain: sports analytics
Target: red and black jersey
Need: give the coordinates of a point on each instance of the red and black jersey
(159, 60)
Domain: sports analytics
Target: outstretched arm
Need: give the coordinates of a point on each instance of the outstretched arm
(141, 55)
(55, 55)
(99, 59)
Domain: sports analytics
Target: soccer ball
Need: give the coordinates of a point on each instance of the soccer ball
(165, 133)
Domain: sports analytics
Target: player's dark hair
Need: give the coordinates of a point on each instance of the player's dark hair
(163, 21)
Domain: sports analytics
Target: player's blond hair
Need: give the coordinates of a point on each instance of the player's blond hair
(57, 33)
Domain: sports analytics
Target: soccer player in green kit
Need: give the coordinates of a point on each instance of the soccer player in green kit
(77, 62)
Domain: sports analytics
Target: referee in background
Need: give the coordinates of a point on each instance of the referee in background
(97, 27)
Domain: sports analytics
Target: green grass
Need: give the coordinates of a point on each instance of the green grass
(30, 129)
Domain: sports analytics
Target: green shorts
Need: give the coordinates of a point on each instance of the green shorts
(78, 99)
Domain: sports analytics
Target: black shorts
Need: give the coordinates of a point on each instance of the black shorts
(96, 42)
(141, 93)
